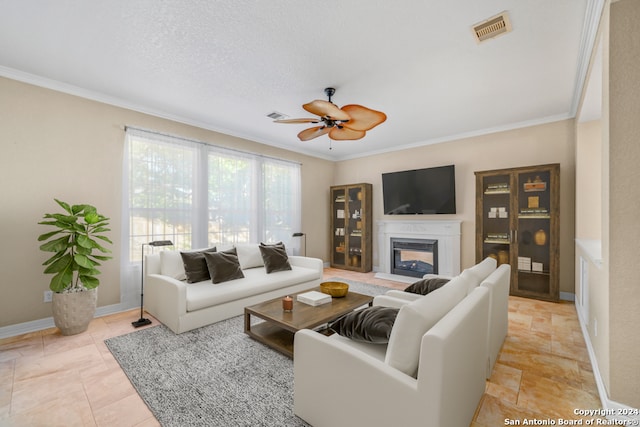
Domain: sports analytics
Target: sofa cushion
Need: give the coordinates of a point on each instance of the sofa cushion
(255, 282)
(274, 257)
(195, 266)
(376, 351)
(371, 324)
(249, 255)
(171, 265)
(223, 266)
(426, 286)
(415, 319)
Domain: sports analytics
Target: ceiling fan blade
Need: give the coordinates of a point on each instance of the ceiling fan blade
(326, 109)
(363, 118)
(298, 121)
(345, 134)
(313, 132)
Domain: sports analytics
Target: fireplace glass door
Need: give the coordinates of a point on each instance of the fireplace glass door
(414, 257)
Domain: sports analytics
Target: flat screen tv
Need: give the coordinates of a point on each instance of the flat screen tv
(420, 191)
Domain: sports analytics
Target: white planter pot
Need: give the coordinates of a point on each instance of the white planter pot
(73, 311)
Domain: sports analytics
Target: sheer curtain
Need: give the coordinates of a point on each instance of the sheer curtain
(231, 192)
(199, 195)
(281, 204)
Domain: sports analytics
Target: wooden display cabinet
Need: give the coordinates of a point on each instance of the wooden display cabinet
(517, 222)
(351, 227)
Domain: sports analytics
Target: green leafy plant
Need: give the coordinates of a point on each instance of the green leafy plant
(74, 242)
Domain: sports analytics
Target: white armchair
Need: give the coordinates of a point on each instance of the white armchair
(337, 384)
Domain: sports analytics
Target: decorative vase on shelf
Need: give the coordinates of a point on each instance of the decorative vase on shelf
(540, 237)
(503, 257)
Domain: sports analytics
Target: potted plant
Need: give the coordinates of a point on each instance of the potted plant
(77, 254)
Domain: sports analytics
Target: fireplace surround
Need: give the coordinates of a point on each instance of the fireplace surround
(444, 233)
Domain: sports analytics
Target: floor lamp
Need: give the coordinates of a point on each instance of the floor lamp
(305, 240)
(142, 321)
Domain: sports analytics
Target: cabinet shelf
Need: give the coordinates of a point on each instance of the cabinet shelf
(530, 196)
(539, 273)
(497, 241)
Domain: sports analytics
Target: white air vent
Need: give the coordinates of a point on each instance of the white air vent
(492, 27)
(277, 116)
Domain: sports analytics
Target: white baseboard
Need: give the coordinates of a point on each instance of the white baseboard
(46, 323)
(612, 409)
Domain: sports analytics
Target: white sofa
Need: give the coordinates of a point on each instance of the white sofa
(431, 373)
(183, 306)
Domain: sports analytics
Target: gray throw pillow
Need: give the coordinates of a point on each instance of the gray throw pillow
(425, 286)
(371, 324)
(195, 266)
(275, 257)
(223, 266)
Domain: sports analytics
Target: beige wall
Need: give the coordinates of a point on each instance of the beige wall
(62, 146)
(624, 200)
(549, 143)
(589, 180)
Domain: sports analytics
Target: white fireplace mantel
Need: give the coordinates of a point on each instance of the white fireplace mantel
(446, 232)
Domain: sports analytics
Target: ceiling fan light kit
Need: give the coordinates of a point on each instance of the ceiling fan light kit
(350, 122)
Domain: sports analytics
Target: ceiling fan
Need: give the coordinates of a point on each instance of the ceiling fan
(347, 123)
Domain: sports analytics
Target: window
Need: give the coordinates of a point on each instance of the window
(199, 195)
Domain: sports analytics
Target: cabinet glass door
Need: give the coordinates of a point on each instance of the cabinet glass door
(496, 218)
(338, 252)
(354, 227)
(534, 227)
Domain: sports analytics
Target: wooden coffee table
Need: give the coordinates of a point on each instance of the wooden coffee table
(279, 327)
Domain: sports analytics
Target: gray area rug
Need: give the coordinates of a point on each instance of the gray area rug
(212, 376)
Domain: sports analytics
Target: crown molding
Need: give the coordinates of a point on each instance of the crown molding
(590, 28)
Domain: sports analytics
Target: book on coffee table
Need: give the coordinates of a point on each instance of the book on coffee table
(314, 298)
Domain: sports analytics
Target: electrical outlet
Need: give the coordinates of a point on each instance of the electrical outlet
(48, 296)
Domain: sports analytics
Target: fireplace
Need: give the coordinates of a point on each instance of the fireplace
(414, 257)
(445, 234)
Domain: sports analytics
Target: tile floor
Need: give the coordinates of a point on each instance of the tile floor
(50, 380)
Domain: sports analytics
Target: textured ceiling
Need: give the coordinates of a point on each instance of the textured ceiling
(225, 64)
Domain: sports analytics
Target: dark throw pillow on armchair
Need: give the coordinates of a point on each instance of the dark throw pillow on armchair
(425, 286)
(371, 324)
